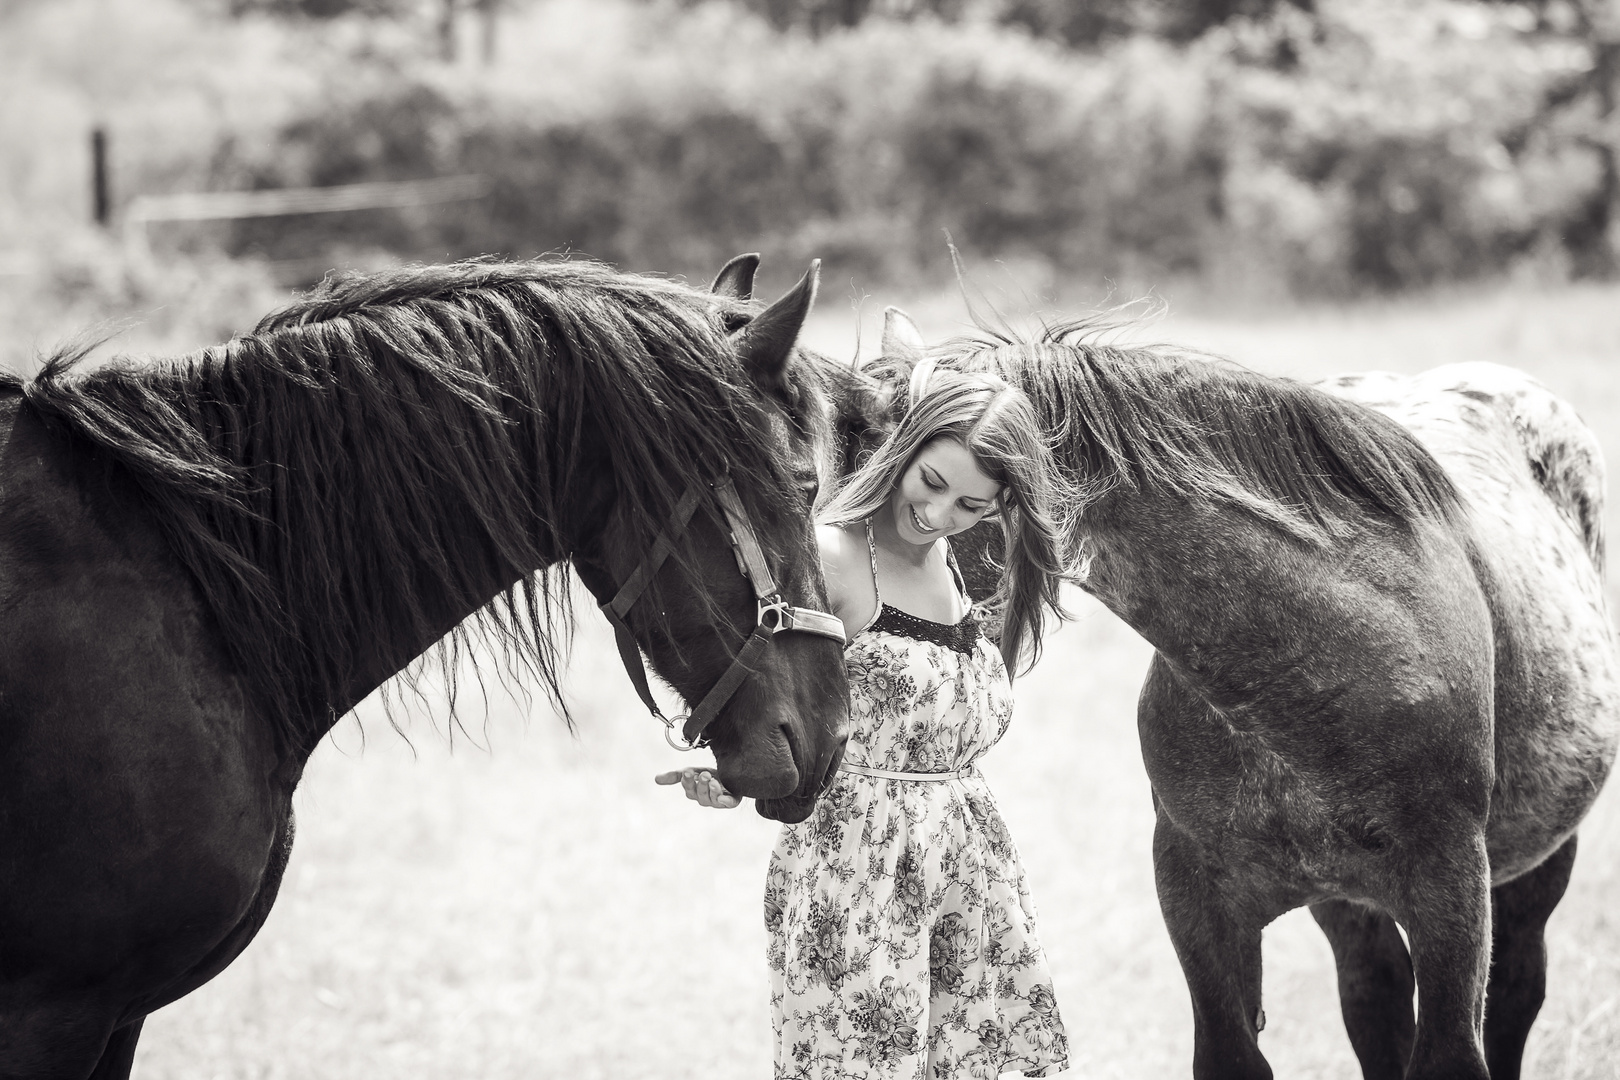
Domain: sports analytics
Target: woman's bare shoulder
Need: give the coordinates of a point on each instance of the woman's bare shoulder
(845, 566)
(842, 547)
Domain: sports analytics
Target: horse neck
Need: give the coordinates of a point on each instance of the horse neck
(394, 508)
(489, 572)
(1237, 606)
(479, 557)
(1216, 494)
(1170, 566)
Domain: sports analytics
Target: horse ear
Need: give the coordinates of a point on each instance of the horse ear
(765, 345)
(736, 278)
(902, 341)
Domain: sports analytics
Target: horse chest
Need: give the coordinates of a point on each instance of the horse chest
(1262, 817)
(1306, 803)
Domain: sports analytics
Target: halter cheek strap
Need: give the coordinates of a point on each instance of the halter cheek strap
(618, 607)
(774, 614)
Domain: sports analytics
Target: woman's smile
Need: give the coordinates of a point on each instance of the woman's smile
(942, 492)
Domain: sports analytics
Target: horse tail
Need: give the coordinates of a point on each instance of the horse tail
(1561, 451)
(1566, 460)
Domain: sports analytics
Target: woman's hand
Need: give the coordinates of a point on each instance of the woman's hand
(701, 786)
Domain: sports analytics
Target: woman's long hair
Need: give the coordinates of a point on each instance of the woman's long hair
(998, 426)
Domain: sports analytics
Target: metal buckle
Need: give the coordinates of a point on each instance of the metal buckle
(784, 613)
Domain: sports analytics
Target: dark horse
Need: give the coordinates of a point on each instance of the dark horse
(206, 561)
(1385, 684)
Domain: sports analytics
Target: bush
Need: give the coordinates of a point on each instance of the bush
(1374, 146)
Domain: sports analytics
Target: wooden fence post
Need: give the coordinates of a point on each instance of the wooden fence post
(102, 200)
(489, 12)
(447, 31)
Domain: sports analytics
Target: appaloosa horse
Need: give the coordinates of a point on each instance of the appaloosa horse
(1385, 684)
(206, 561)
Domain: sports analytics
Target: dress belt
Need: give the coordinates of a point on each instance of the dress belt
(889, 774)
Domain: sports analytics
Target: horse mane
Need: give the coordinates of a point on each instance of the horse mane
(320, 478)
(10, 381)
(1174, 421)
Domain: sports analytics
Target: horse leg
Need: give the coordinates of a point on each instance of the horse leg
(1219, 952)
(62, 1038)
(1375, 985)
(119, 1057)
(1519, 912)
(1448, 922)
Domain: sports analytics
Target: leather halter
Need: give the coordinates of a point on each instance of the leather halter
(775, 614)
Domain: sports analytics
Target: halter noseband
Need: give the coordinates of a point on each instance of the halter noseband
(775, 614)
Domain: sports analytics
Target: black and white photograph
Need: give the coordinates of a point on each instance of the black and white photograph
(809, 539)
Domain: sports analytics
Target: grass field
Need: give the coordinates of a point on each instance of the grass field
(526, 903)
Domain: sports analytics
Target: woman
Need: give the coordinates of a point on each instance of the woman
(902, 933)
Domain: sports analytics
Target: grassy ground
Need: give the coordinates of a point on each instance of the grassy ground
(536, 907)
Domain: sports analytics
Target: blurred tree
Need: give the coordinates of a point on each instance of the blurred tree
(325, 9)
(1074, 22)
(820, 16)
(400, 133)
(1579, 109)
(443, 14)
(489, 12)
(446, 23)
(1094, 21)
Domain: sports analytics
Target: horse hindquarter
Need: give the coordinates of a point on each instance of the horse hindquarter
(137, 805)
(1531, 475)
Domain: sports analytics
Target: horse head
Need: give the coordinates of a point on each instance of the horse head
(779, 736)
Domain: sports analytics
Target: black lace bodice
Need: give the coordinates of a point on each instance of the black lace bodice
(958, 636)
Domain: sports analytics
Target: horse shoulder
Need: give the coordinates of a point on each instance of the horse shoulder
(122, 722)
(135, 790)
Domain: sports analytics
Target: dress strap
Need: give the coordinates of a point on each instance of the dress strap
(871, 552)
(956, 574)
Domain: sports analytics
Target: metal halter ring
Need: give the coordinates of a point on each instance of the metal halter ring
(672, 724)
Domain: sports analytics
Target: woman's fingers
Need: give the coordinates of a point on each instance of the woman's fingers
(702, 786)
(718, 796)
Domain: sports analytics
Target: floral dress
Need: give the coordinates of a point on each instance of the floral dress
(902, 934)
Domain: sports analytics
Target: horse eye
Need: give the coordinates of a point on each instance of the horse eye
(811, 489)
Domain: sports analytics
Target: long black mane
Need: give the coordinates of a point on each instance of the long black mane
(320, 477)
(1173, 421)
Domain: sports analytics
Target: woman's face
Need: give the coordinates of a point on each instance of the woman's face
(942, 492)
